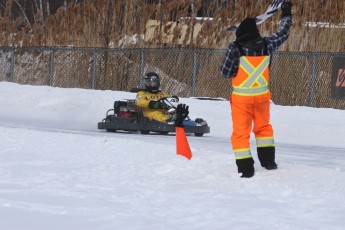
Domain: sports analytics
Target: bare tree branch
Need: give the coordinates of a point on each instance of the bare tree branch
(24, 14)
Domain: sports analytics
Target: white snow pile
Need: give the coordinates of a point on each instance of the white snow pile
(58, 171)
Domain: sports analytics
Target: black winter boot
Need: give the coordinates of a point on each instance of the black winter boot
(246, 167)
(266, 157)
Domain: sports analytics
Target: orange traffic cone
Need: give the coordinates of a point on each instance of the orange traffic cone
(182, 145)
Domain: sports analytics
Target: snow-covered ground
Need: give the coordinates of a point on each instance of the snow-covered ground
(57, 171)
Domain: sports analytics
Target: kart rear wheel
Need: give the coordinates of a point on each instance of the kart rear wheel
(144, 132)
(111, 130)
(198, 134)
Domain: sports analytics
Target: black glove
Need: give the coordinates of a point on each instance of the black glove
(181, 114)
(155, 104)
(286, 9)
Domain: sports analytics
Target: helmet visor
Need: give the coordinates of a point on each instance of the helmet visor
(152, 82)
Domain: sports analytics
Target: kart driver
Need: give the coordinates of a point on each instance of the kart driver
(150, 100)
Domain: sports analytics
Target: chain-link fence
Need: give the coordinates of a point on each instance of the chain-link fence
(304, 79)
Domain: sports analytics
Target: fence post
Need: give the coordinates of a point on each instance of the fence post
(313, 79)
(93, 69)
(195, 66)
(51, 66)
(142, 67)
(2, 74)
(12, 64)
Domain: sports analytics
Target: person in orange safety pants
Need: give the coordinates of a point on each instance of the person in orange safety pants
(247, 62)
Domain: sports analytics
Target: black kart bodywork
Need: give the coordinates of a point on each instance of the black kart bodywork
(127, 116)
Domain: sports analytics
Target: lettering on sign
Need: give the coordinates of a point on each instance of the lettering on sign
(341, 78)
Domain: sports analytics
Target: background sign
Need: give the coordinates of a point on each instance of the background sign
(338, 78)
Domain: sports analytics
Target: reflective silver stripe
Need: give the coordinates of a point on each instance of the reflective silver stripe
(242, 153)
(254, 73)
(248, 91)
(265, 142)
(246, 65)
(262, 81)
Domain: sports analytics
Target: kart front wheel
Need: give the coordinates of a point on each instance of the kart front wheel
(163, 133)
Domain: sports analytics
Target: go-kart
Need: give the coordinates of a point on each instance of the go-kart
(126, 116)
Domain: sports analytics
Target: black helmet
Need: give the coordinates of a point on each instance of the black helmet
(246, 28)
(152, 82)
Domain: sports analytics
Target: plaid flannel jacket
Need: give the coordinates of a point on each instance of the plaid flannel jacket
(232, 58)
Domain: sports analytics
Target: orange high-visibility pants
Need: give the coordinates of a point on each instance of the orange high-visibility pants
(250, 116)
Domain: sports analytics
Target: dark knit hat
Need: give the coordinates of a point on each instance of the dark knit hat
(247, 26)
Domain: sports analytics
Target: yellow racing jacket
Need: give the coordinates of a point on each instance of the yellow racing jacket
(142, 101)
